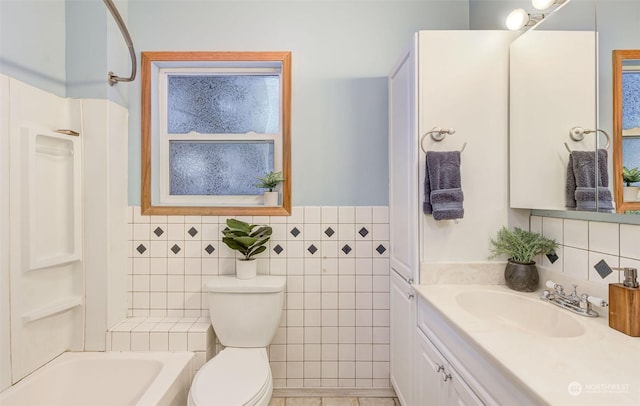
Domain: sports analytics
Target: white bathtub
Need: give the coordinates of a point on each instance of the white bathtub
(106, 379)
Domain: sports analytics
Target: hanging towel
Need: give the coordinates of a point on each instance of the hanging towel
(581, 182)
(443, 194)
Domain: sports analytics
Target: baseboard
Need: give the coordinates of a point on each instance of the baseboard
(333, 392)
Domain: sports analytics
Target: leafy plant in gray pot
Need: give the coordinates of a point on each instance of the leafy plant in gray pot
(520, 247)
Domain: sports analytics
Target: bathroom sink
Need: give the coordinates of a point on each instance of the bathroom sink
(519, 312)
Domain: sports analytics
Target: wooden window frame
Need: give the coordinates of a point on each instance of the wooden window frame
(148, 59)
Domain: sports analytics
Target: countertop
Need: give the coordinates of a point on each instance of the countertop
(599, 367)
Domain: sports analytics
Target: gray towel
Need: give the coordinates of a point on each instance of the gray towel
(581, 182)
(443, 194)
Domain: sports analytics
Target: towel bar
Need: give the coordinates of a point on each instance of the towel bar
(577, 134)
(438, 134)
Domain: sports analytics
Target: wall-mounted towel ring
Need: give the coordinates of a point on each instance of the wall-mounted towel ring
(577, 134)
(438, 134)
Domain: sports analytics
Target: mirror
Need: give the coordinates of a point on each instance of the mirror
(549, 94)
(618, 27)
(552, 90)
(626, 128)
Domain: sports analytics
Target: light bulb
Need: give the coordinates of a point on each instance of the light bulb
(542, 4)
(517, 19)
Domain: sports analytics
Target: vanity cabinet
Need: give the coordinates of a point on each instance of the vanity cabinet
(450, 369)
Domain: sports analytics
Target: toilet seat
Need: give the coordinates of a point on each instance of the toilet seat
(234, 377)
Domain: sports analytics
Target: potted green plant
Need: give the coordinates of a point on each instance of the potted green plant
(630, 176)
(270, 181)
(520, 247)
(249, 240)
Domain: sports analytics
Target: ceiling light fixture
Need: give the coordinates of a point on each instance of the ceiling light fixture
(546, 4)
(520, 18)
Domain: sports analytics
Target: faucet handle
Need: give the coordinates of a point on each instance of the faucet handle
(551, 284)
(598, 301)
(556, 287)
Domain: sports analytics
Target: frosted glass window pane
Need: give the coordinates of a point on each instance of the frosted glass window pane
(630, 100)
(631, 153)
(218, 168)
(223, 104)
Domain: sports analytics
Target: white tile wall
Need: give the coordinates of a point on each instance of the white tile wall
(585, 243)
(335, 326)
(164, 334)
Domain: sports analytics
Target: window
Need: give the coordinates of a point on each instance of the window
(212, 122)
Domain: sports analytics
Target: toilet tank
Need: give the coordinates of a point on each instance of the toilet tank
(246, 313)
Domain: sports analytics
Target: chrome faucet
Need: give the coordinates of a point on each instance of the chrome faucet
(579, 304)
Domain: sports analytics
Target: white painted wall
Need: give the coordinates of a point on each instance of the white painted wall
(32, 43)
(471, 98)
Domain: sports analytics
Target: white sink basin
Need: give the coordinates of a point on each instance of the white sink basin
(519, 312)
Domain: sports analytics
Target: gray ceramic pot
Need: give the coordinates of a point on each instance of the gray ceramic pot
(522, 277)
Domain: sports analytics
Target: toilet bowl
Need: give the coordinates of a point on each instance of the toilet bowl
(236, 376)
(245, 315)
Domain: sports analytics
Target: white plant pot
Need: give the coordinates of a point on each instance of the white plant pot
(246, 269)
(270, 198)
(630, 193)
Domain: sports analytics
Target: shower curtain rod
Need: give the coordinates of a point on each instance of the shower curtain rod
(113, 78)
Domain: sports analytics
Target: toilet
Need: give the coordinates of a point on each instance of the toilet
(245, 315)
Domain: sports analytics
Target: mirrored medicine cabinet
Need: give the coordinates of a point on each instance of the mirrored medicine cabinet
(564, 75)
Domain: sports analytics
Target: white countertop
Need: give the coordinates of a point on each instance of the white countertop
(601, 366)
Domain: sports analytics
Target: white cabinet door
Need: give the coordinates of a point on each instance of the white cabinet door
(403, 169)
(437, 382)
(459, 393)
(429, 384)
(403, 325)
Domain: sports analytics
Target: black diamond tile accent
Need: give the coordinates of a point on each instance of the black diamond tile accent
(278, 249)
(209, 248)
(381, 249)
(346, 249)
(553, 257)
(192, 231)
(295, 232)
(329, 232)
(175, 248)
(363, 232)
(312, 249)
(141, 249)
(158, 232)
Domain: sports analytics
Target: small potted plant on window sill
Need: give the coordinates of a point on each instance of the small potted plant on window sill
(629, 176)
(270, 181)
(249, 240)
(520, 247)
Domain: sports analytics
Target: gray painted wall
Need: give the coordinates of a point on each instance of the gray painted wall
(342, 51)
(32, 43)
(86, 46)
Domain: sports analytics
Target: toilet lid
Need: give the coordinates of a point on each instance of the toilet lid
(236, 376)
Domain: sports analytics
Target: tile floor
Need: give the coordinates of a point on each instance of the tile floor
(334, 402)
